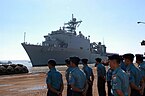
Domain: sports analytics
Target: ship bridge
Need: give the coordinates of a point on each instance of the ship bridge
(66, 37)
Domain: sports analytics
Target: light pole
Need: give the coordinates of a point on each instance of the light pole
(140, 22)
(143, 41)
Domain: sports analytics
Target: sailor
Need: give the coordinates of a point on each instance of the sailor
(120, 80)
(54, 80)
(101, 77)
(89, 74)
(122, 64)
(141, 65)
(77, 78)
(67, 61)
(109, 78)
(135, 78)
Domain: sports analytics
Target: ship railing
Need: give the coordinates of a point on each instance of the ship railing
(38, 44)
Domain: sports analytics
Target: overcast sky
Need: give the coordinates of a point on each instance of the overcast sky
(113, 20)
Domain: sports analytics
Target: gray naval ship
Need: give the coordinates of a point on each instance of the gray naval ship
(62, 44)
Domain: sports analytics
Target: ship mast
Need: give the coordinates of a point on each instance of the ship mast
(24, 36)
(72, 24)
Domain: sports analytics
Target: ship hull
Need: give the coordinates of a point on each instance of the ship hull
(39, 55)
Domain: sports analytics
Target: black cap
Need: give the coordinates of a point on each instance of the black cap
(121, 57)
(75, 60)
(84, 60)
(67, 61)
(98, 60)
(109, 57)
(128, 56)
(139, 57)
(115, 57)
(52, 62)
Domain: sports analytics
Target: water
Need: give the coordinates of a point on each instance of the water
(24, 62)
(36, 69)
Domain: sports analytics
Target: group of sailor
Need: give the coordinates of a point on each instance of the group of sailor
(123, 77)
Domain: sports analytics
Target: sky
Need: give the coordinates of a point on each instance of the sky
(115, 21)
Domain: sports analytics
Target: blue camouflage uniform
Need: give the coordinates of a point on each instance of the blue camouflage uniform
(101, 70)
(89, 72)
(120, 81)
(69, 69)
(54, 78)
(78, 79)
(69, 92)
(135, 77)
(109, 74)
(109, 78)
(101, 79)
(142, 68)
(123, 66)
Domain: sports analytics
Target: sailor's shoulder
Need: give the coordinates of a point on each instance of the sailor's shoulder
(142, 65)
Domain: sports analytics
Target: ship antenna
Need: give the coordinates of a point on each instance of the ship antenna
(72, 16)
(24, 36)
(103, 41)
(72, 24)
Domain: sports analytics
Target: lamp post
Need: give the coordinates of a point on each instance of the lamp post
(140, 22)
(143, 41)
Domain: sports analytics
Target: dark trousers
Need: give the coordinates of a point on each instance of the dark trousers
(134, 93)
(50, 93)
(76, 93)
(109, 88)
(101, 87)
(144, 93)
(89, 91)
(69, 91)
